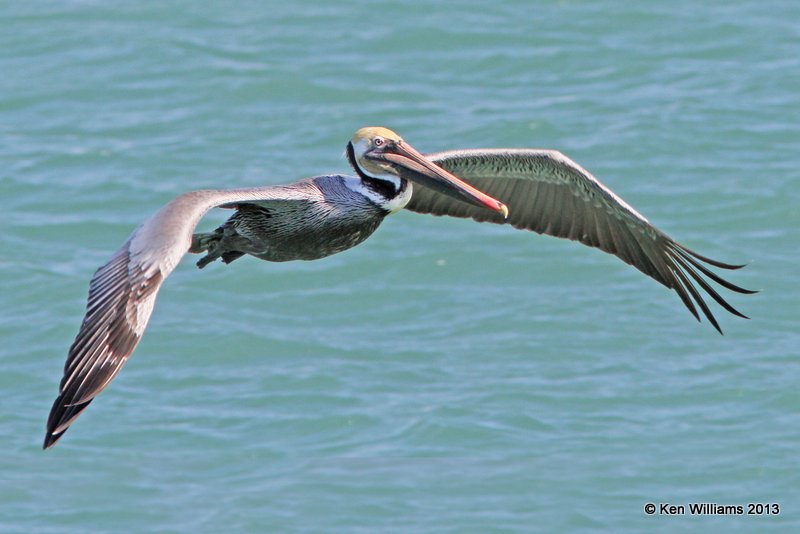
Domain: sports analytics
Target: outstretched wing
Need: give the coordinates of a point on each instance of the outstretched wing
(548, 193)
(122, 294)
(121, 297)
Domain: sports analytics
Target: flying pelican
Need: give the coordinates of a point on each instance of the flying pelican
(539, 190)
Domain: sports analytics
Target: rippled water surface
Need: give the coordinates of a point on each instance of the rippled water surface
(445, 376)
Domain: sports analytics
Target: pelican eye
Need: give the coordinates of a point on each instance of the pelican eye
(378, 142)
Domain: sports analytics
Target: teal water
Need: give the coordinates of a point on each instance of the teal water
(445, 376)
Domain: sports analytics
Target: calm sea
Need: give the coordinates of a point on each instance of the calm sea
(445, 376)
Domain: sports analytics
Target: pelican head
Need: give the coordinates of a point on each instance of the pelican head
(378, 153)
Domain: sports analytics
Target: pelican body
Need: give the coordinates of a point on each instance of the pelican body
(532, 189)
(329, 216)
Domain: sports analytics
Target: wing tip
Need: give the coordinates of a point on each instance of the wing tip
(50, 439)
(62, 415)
(685, 266)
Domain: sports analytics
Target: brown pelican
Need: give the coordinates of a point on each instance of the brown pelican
(539, 190)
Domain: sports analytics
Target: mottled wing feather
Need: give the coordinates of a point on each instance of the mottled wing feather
(121, 296)
(548, 193)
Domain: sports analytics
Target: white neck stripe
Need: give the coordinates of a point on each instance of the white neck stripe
(392, 204)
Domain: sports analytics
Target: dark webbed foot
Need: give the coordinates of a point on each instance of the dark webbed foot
(216, 245)
(206, 243)
(230, 256)
(205, 260)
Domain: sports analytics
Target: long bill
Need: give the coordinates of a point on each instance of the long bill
(413, 166)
